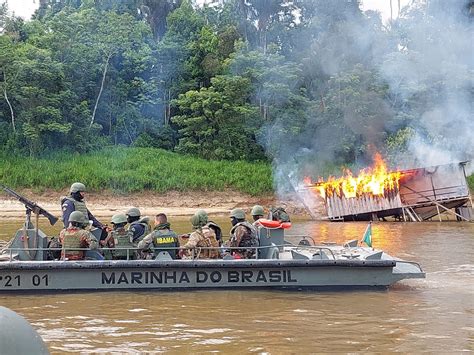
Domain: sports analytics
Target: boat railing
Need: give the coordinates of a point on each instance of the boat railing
(133, 251)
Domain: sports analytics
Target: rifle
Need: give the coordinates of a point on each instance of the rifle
(30, 205)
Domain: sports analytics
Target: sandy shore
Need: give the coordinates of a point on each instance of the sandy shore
(150, 203)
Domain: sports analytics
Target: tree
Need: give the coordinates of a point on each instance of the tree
(217, 122)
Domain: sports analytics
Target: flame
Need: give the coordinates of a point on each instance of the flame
(376, 181)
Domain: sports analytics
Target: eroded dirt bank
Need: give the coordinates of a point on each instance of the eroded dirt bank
(150, 203)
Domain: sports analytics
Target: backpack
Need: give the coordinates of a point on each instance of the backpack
(279, 214)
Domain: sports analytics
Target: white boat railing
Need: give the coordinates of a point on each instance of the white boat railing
(132, 253)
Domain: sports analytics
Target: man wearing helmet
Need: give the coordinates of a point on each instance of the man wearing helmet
(75, 237)
(120, 239)
(242, 234)
(257, 213)
(75, 202)
(138, 226)
(203, 241)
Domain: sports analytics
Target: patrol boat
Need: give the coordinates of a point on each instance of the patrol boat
(26, 264)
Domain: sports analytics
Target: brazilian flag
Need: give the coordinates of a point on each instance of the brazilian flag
(367, 238)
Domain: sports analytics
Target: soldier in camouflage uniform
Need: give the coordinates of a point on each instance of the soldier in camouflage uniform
(137, 225)
(120, 239)
(162, 238)
(242, 234)
(203, 237)
(75, 237)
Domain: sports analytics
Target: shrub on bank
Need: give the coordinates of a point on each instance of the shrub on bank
(126, 170)
(470, 182)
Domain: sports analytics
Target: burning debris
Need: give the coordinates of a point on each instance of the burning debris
(372, 182)
(416, 194)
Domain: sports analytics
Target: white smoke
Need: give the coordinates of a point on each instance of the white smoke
(434, 70)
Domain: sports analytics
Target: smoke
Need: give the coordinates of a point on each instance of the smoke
(435, 66)
(424, 61)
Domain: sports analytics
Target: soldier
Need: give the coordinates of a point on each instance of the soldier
(120, 239)
(75, 202)
(257, 213)
(162, 238)
(242, 234)
(75, 236)
(138, 226)
(202, 237)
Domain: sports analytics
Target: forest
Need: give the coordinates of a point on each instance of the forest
(300, 84)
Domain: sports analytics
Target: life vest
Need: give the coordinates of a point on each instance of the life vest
(72, 238)
(78, 205)
(165, 238)
(250, 240)
(122, 239)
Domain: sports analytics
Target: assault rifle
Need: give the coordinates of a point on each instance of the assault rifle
(30, 205)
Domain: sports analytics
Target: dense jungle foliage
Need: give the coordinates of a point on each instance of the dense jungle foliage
(228, 80)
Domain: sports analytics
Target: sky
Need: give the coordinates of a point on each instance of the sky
(25, 8)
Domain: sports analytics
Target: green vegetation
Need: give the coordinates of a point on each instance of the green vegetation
(470, 181)
(124, 170)
(305, 84)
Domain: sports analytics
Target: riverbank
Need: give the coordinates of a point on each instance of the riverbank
(106, 204)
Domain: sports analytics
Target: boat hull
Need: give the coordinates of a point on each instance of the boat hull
(206, 274)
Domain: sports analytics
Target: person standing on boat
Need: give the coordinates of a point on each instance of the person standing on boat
(242, 234)
(120, 239)
(75, 202)
(75, 237)
(138, 226)
(202, 242)
(162, 238)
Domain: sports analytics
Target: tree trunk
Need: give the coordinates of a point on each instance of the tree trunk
(101, 88)
(8, 101)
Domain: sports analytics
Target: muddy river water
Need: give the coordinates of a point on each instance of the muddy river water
(431, 315)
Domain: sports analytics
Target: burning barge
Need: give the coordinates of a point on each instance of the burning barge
(406, 195)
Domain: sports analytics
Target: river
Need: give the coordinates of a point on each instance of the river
(431, 315)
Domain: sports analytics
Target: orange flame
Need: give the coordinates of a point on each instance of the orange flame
(374, 181)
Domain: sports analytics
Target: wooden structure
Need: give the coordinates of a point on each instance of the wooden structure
(423, 194)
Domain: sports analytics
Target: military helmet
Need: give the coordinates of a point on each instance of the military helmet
(78, 217)
(237, 213)
(133, 212)
(257, 210)
(77, 187)
(119, 218)
(199, 218)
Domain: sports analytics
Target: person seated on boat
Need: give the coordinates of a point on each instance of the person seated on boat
(202, 243)
(137, 225)
(75, 237)
(242, 234)
(162, 238)
(75, 202)
(119, 240)
(257, 213)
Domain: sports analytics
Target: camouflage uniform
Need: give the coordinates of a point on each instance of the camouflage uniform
(243, 234)
(74, 238)
(162, 237)
(203, 237)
